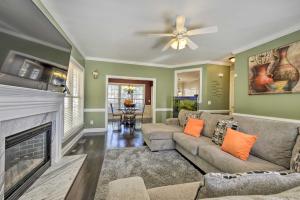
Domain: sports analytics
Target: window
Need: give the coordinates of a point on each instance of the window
(117, 93)
(73, 115)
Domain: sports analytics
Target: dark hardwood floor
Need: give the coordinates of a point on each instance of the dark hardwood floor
(94, 145)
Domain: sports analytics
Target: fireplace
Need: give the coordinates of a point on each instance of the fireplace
(27, 156)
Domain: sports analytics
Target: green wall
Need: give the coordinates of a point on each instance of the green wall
(95, 88)
(275, 105)
(215, 89)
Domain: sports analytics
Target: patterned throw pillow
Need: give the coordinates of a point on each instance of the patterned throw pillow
(296, 163)
(191, 115)
(248, 183)
(221, 128)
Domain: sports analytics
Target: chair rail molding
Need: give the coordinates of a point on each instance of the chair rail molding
(163, 109)
(94, 110)
(269, 118)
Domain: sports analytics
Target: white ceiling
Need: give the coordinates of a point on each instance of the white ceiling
(109, 29)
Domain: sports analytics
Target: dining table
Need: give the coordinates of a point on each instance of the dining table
(128, 119)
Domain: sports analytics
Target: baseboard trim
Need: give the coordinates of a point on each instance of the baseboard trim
(216, 111)
(93, 130)
(72, 142)
(270, 118)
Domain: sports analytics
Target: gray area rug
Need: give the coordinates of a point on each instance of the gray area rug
(156, 168)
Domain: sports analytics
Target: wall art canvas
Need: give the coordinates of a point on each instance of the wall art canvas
(276, 71)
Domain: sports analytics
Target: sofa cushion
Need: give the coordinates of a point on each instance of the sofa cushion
(293, 193)
(225, 162)
(275, 139)
(186, 191)
(190, 143)
(250, 183)
(132, 188)
(159, 131)
(210, 122)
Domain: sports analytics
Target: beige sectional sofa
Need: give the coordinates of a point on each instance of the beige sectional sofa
(276, 143)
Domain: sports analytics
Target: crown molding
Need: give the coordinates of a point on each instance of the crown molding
(201, 63)
(52, 14)
(155, 64)
(32, 39)
(126, 62)
(267, 39)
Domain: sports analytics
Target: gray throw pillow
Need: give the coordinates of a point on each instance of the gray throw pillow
(249, 183)
(221, 128)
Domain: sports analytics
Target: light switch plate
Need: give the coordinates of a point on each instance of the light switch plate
(209, 102)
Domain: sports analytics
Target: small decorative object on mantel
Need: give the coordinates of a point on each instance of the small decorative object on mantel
(276, 71)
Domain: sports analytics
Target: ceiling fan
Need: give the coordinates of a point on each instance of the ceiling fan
(180, 36)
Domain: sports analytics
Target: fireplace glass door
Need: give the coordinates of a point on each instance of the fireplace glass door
(26, 154)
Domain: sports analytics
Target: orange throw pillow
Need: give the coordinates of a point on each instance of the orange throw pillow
(238, 144)
(194, 127)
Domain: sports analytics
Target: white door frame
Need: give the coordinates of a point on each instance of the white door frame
(132, 78)
(200, 69)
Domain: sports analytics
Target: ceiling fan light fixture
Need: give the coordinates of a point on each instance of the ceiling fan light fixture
(179, 44)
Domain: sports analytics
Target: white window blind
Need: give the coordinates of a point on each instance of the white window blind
(73, 115)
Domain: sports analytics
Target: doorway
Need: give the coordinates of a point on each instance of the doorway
(140, 90)
(188, 83)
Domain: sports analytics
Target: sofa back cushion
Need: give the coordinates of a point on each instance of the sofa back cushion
(182, 116)
(275, 139)
(249, 183)
(210, 122)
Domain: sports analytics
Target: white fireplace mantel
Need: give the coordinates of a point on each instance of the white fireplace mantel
(18, 104)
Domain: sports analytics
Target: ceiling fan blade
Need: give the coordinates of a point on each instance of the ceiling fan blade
(180, 21)
(160, 34)
(191, 44)
(211, 29)
(168, 44)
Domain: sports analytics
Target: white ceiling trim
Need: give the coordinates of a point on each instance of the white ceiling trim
(267, 39)
(127, 62)
(201, 63)
(62, 26)
(155, 64)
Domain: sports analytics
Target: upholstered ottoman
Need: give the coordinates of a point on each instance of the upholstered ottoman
(159, 136)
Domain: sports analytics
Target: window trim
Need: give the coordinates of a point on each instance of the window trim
(76, 129)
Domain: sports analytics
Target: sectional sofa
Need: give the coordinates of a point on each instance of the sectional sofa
(278, 142)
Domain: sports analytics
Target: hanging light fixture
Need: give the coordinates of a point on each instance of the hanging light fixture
(179, 44)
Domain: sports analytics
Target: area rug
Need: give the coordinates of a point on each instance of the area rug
(156, 168)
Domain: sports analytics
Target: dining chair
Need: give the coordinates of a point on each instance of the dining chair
(117, 115)
(140, 114)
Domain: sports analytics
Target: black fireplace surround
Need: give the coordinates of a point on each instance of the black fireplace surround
(27, 156)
